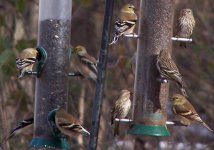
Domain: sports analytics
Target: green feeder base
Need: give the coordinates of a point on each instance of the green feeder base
(60, 143)
(155, 130)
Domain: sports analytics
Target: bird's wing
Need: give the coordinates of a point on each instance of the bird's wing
(22, 63)
(90, 62)
(122, 26)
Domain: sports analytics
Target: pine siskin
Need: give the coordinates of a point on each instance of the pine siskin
(168, 69)
(126, 22)
(121, 109)
(26, 61)
(23, 126)
(185, 25)
(67, 124)
(87, 65)
(185, 112)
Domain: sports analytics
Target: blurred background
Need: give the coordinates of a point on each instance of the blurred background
(18, 30)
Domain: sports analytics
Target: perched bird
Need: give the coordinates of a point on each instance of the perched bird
(66, 123)
(25, 62)
(126, 22)
(185, 112)
(185, 25)
(168, 69)
(121, 109)
(87, 65)
(24, 127)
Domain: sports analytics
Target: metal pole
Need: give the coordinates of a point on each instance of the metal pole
(51, 87)
(101, 75)
(150, 96)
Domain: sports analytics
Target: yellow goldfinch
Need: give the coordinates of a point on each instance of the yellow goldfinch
(185, 112)
(87, 65)
(121, 109)
(67, 124)
(24, 127)
(168, 69)
(26, 61)
(126, 22)
(185, 25)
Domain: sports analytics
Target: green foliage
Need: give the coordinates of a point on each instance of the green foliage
(22, 44)
(85, 3)
(2, 21)
(20, 5)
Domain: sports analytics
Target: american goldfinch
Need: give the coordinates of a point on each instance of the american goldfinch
(23, 126)
(25, 62)
(126, 22)
(185, 112)
(168, 69)
(87, 65)
(121, 109)
(66, 123)
(185, 25)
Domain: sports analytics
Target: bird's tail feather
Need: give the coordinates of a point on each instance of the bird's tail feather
(183, 91)
(114, 40)
(116, 128)
(207, 126)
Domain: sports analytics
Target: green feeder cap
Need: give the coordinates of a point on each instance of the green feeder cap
(60, 143)
(42, 59)
(150, 130)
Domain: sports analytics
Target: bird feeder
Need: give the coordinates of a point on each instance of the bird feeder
(51, 86)
(150, 96)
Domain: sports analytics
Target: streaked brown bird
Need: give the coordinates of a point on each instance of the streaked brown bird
(125, 23)
(86, 64)
(68, 124)
(25, 62)
(168, 69)
(185, 112)
(185, 25)
(121, 109)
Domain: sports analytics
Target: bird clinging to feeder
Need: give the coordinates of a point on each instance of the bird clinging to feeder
(121, 109)
(185, 112)
(25, 62)
(185, 25)
(63, 122)
(87, 65)
(168, 69)
(125, 23)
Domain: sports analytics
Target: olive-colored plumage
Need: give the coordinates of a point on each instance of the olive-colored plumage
(125, 23)
(185, 24)
(68, 124)
(121, 109)
(185, 112)
(86, 64)
(27, 59)
(168, 69)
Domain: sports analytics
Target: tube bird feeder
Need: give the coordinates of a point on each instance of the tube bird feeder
(150, 96)
(52, 88)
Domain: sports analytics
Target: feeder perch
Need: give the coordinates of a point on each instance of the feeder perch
(133, 35)
(123, 120)
(181, 39)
